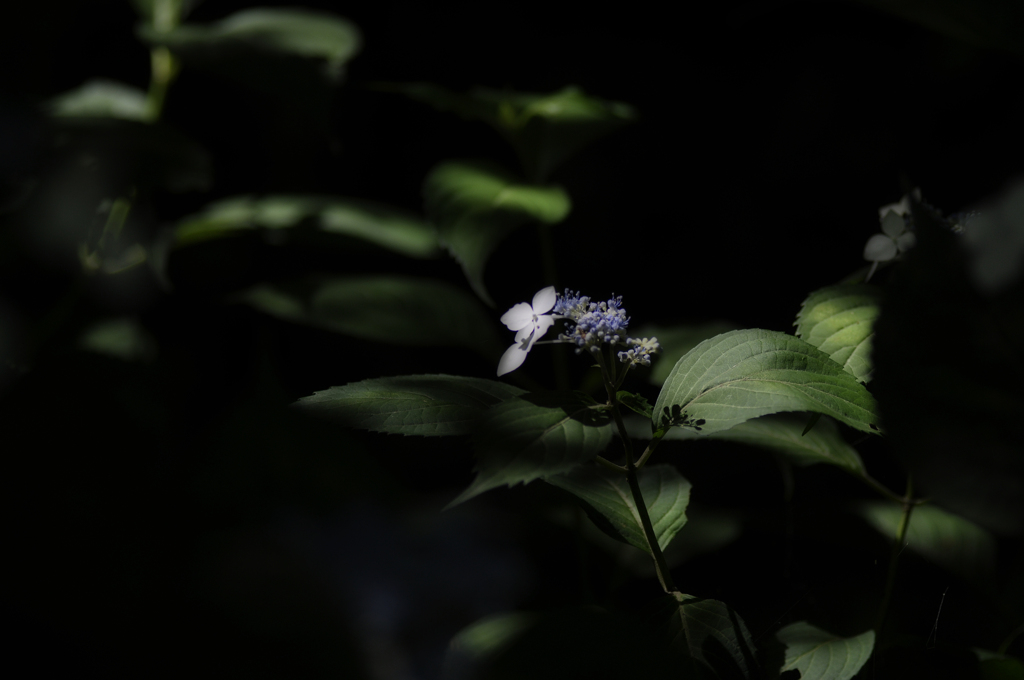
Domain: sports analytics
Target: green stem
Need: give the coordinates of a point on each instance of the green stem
(897, 548)
(164, 66)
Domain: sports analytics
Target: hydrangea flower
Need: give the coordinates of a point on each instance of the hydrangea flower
(530, 322)
(640, 351)
(897, 235)
(591, 323)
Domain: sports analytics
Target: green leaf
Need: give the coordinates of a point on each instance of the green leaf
(426, 405)
(482, 640)
(298, 32)
(610, 503)
(533, 436)
(744, 374)
(822, 656)
(839, 320)
(714, 634)
(363, 221)
(394, 309)
(952, 542)
(676, 341)
(148, 8)
(100, 98)
(475, 206)
(122, 338)
(545, 129)
(635, 403)
(995, 666)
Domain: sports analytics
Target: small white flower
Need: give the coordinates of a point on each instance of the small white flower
(530, 322)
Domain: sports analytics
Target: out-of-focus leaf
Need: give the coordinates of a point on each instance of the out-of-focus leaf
(954, 543)
(368, 222)
(995, 666)
(948, 376)
(394, 309)
(535, 435)
(610, 504)
(426, 405)
(996, 241)
(822, 656)
(713, 634)
(100, 99)
(744, 374)
(122, 338)
(481, 640)
(676, 341)
(839, 320)
(475, 206)
(178, 8)
(545, 129)
(784, 433)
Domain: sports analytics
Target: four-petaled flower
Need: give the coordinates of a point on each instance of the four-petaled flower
(530, 322)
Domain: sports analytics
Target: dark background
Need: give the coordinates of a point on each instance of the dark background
(173, 512)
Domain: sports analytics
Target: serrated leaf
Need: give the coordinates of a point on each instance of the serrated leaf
(290, 31)
(714, 634)
(535, 435)
(475, 206)
(545, 129)
(635, 403)
(952, 542)
(365, 221)
(676, 341)
(395, 309)
(839, 320)
(100, 98)
(426, 405)
(610, 502)
(822, 656)
(744, 374)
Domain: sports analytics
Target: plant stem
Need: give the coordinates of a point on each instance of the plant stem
(897, 548)
(164, 66)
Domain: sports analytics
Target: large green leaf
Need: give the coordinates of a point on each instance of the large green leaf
(545, 129)
(954, 543)
(291, 31)
(676, 341)
(714, 634)
(427, 405)
(475, 206)
(822, 656)
(100, 98)
(364, 221)
(996, 666)
(536, 435)
(839, 320)
(610, 503)
(394, 309)
(744, 374)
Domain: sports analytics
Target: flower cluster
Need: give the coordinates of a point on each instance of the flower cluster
(640, 351)
(591, 323)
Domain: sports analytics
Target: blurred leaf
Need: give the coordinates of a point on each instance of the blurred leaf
(822, 656)
(610, 504)
(475, 206)
(714, 634)
(380, 225)
(839, 320)
(995, 666)
(426, 405)
(783, 433)
(954, 543)
(178, 8)
(122, 338)
(744, 374)
(545, 129)
(481, 640)
(948, 369)
(535, 435)
(265, 47)
(996, 241)
(676, 341)
(100, 98)
(393, 309)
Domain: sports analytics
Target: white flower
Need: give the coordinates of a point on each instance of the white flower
(530, 322)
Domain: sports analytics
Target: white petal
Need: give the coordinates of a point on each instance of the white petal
(906, 241)
(520, 316)
(524, 333)
(512, 359)
(543, 324)
(893, 225)
(879, 248)
(544, 300)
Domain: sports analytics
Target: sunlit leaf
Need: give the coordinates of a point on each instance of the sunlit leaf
(822, 656)
(839, 320)
(744, 374)
(714, 634)
(427, 405)
(545, 129)
(302, 33)
(676, 341)
(954, 543)
(475, 206)
(100, 99)
(536, 435)
(368, 222)
(610, 502)
(394, 309)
